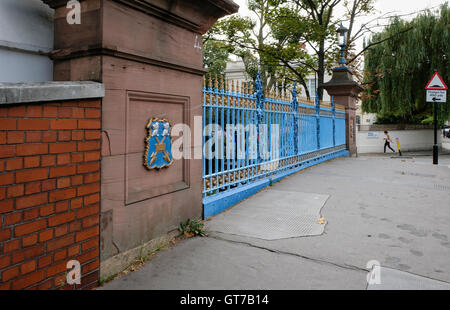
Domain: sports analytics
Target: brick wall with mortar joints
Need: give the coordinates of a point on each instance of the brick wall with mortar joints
(49, 193)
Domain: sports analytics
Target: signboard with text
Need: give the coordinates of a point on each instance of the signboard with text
(436, 96)
(436, 92)
(372, 135)
(436, 89)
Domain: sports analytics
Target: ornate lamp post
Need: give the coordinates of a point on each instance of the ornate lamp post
(342, 41)
(344, 91)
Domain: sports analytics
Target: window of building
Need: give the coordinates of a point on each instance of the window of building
(312, 87)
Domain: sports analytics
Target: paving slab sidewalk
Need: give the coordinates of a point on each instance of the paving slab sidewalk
(394, 211)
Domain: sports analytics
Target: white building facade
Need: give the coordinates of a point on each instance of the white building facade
(235, 70)
(26, 37)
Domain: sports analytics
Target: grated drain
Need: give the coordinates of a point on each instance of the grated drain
(273, 215)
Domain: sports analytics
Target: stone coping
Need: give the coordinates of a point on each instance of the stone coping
(380, 127)
(11, 93)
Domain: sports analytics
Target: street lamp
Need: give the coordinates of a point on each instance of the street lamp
(342, 41)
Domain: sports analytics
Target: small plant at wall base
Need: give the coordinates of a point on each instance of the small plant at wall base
(192, 228)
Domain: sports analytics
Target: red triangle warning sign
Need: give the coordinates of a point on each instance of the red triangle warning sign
(436, 83)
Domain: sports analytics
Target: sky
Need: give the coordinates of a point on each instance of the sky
(400, 7)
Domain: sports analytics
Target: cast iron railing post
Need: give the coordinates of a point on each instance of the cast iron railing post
(318, 122)
(259, 95)
(333, 111)
(294, 104)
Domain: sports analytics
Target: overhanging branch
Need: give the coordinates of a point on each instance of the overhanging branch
(378, 42)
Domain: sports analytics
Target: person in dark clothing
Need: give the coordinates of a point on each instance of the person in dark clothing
(387, 142)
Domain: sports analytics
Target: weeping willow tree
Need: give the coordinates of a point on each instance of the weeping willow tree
(399, 63)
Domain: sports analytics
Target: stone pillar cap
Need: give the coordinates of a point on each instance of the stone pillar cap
(342, 83)
(168, 10)
(226, 5)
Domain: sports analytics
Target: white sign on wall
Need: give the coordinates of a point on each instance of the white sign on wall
(372, 135)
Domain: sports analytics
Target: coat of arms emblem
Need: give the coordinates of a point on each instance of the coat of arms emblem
(158, 152)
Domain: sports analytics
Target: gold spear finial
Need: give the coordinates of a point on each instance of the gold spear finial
(210, 81)
(204, 81)
(232, 86)
(216, 82)
(221, 82)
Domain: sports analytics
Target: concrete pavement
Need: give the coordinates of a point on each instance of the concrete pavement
(391, 210)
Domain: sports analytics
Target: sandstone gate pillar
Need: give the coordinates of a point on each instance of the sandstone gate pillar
(345, 91)
(148, 54)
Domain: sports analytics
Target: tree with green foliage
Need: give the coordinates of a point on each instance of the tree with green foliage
(215, 57)
(277, 43)
(400, 60)
(259, 43)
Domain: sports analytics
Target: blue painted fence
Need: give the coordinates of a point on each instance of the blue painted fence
(252, 139)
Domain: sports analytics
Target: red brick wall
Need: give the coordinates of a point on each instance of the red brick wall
(49, 193)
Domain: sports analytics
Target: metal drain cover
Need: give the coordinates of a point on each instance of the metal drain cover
(392, 279)
(272, 215)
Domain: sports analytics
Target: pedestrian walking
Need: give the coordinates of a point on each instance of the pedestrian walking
(387, 142)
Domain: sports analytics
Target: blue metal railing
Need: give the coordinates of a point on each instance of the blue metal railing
(251, 138)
